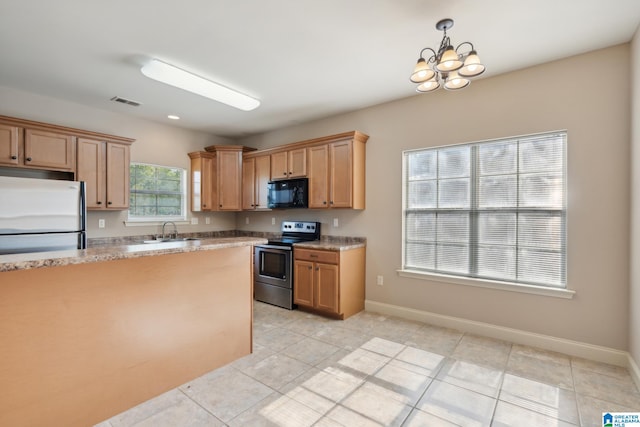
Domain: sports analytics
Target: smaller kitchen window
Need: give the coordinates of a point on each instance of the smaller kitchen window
(157, 193)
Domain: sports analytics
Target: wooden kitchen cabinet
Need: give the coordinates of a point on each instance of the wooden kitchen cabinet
(216, 178)
(229, 179)
(318, 176)
(334, 164)
(49, 150)
(256, 172)
(337, 175)
(104, 167)
(202, 180)
(37, 149)
(10, 140)
(289, 164)
(330, 282)
(101, 160)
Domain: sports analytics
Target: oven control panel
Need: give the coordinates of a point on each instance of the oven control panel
(299, 227)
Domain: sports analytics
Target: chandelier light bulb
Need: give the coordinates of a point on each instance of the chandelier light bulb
(422, 72)
(449, 61)
(455, 82)
(472, 66)
(428, 86)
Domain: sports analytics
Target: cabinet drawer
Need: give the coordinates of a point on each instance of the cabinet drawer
(329, 257)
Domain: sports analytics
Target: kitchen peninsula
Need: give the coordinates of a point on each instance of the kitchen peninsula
(87, 334)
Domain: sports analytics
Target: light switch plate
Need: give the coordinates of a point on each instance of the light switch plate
(194, 221)
(101, 223)
(273, 221)
(207, 220)
(336, 223)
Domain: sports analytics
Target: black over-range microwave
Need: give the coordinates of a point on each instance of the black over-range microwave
(288, 193)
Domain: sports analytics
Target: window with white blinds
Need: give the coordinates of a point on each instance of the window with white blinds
(490, 210)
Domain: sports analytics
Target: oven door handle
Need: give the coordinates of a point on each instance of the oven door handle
(280, 248)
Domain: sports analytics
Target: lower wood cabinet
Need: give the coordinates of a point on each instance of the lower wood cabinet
(330, 282)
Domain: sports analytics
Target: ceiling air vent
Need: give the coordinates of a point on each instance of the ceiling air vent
(125, 101)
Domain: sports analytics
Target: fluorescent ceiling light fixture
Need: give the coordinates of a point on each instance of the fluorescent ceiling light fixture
(173, 117)
(174, 76)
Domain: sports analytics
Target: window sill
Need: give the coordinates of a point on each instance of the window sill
(490, 284)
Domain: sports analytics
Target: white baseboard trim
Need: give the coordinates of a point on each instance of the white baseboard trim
(632, 366)
(547, 342)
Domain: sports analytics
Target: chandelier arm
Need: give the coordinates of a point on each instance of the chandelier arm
(430, 58)
(462, 44)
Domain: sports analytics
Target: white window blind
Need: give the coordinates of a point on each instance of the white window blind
(490, 210)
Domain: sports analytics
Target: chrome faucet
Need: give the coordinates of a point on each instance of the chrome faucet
(173, 235)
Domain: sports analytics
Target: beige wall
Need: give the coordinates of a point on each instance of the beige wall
(155, 143)
(634, 299)
(558, 95)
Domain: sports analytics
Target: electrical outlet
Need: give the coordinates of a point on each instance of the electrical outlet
(101, 223)
(194, 221)
(273, 220)
(335, 222)
(380, 280)
(207, 220)
(246, 220)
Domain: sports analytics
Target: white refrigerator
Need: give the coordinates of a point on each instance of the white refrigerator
(38, 215)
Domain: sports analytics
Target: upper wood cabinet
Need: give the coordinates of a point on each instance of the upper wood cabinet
(256, 172)
(101, 160)
(289, 164)
(337, 175)
(10, 140)
(49, 150)
(104, 167)
(35, 148)
(318, 176)
(202, 179)
(334, 164)
(229, 179)
(216, 178)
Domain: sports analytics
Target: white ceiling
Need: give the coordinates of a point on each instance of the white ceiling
(303, 59)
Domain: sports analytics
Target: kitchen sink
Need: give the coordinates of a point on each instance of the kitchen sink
(180, 239)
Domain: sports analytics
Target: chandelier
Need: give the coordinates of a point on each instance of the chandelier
(448, 67)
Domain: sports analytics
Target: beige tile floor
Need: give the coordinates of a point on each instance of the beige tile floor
(375, 370)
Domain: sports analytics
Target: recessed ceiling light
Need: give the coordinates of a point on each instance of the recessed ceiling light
(172, 117)
(174, 76)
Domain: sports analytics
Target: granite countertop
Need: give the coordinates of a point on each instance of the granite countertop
(332, 243)
(120, 251)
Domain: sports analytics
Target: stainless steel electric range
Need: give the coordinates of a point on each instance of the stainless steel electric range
(273, 263)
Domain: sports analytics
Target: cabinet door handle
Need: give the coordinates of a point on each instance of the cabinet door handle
(324, 203)
(284, 173)
(28, 159)
(109, 203)
(310, 268)
(331, 202)
(98, 202)
(204, 206)
(220, 205)
(317, 268)
(14, 157)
